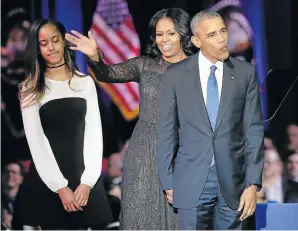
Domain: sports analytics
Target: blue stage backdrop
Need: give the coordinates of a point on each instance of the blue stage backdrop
(255, 14)
(69, 13)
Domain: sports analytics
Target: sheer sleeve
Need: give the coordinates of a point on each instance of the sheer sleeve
(127, 71)
(93, 142)
(41, 152)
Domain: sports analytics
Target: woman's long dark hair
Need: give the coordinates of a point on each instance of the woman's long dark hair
(181, 22)
(33, 87)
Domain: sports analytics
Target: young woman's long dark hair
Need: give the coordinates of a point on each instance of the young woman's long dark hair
(33, 87)
(181, 22)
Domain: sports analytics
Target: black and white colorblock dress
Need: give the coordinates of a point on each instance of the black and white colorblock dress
(64, 134)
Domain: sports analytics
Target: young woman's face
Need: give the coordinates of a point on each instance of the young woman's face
(51, 45)
(167, 38)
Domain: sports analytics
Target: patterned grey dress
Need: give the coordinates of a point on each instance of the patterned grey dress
(143, 203)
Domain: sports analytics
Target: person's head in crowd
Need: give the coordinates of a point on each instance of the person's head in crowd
(12, 178)
(292, 166)
(273, 165)
(16, 43)
(292, 131)
(170, 35)
(268, 143)
(114, 168)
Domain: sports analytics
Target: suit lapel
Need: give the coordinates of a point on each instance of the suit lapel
(196, 89)
(227, 91)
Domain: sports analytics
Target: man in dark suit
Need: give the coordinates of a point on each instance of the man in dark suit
(210, 120)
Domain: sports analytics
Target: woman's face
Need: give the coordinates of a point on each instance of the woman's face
(51, 45)
(167, 39)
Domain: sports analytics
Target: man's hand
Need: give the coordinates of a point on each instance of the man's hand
(248, 201)
(7, 219)
(68, 200)
(169, 194)
(82, 194)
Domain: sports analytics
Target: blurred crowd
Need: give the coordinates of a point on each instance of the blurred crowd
(280, 174)
(280, 178)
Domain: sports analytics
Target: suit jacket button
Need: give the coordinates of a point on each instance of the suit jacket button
(209, 162)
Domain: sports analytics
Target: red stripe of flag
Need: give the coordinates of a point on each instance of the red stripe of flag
(105, 57)
(127, 42)
(108, 41)
(128, 22)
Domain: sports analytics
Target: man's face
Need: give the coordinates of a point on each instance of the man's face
(15, 46)
(18, 39)
(292, 165)
(114, 168)
(293, 136)
(13, 176)
(212, 38)
(272, 164)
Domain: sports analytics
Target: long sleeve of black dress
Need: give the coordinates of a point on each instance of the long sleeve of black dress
(128, 71)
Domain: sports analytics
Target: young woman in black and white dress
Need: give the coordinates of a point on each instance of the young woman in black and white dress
(63, 128)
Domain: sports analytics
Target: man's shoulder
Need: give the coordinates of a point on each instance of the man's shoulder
(241, 64)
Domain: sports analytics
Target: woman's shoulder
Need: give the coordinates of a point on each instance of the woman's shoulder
(82, 77)
(85, 81)
(79, 82)
(151, 61)
(147, 59)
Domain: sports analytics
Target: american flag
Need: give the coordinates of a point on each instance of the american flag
(114, 32)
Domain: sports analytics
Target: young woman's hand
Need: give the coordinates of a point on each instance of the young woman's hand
(68, 200)
(82, 194)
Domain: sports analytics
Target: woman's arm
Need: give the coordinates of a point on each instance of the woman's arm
(127, 71)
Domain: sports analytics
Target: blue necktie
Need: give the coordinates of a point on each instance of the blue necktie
(212, 103)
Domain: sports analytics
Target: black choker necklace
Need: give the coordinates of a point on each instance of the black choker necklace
(56, 66)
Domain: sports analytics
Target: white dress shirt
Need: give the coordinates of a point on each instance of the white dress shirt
(204, 66)
(274, 192)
